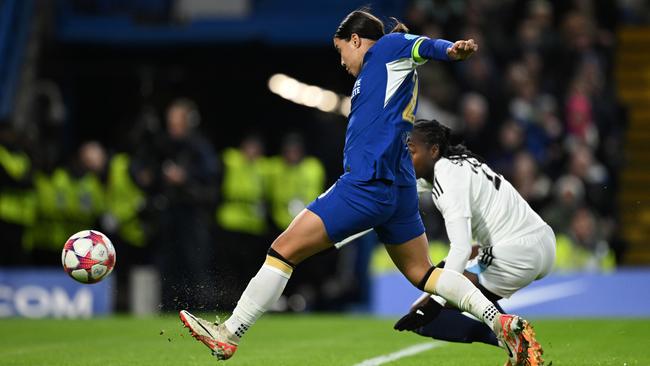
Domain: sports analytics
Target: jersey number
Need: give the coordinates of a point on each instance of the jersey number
(496, 180)
(491, 176)
(409, 111)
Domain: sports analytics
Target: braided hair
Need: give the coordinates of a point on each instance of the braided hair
(433, 132)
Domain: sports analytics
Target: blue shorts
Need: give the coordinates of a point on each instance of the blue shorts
(349, 207)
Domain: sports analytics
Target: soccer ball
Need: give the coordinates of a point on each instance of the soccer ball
(88, 256)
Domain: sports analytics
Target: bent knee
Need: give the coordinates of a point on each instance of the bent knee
(416, 274)
(286, 247)
(296, 248)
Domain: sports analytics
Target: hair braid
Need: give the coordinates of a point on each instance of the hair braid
(435, 133)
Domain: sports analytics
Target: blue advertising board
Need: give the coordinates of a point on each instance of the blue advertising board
(624, 293)
(40, 293)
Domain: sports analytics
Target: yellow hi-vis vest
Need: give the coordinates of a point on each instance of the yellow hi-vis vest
(17, 205)
(292, 187)
(64, 207)
(569, 256)
(54, 198)
(89, 202)
(242, 199)
(124, 200)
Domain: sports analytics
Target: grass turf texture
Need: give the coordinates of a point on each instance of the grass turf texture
(301, 340)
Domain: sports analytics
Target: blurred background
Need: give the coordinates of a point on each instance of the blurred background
(192, 131)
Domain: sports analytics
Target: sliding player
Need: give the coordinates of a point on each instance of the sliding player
(516, 246)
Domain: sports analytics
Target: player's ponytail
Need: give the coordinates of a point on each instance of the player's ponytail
(435, 133)
(366, 25)
(399, 27)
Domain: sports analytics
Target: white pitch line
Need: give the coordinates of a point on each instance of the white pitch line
(408, 351)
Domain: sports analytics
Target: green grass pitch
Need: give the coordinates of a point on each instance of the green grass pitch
(302, 340)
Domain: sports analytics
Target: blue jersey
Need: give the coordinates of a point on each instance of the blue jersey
(384, 101)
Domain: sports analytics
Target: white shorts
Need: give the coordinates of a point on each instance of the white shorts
(509, 266)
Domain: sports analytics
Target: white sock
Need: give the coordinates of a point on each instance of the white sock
(260, 295)
(462, 293)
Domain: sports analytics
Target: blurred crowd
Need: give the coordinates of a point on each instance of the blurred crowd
(169, 200)
(537, 102)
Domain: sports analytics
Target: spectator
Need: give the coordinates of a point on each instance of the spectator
(123, 223)
(580, 127)
(242, 217)
(17, 204)
(511, 139)
(594, 176)
(89, 185)
(294, 181)
(569, 195)
(533, 186)
(54, 192)
(178, 174)
(474, 114)
(584, 246)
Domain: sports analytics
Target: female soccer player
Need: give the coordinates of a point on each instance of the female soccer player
(516, 246)
(377, 189)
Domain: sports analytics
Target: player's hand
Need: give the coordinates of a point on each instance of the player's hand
(462, 50)
(419, 315)
(173, 173)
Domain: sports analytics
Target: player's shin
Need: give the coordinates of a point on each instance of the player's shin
(460, 291)
(261, 293)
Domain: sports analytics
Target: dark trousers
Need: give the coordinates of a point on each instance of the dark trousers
(12, 252)
(239, 257)
(185, 258)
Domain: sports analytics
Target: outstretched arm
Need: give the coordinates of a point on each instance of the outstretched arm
(443, 50)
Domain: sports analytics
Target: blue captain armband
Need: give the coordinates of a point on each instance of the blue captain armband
(430, 49)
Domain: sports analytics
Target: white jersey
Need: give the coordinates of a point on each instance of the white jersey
(467, 188)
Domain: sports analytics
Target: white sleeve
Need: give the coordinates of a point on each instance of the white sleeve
(459, 231)
(451, 190)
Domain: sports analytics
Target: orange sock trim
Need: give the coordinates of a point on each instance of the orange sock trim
(278, 264)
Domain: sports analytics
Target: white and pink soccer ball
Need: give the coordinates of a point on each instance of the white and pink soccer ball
(88, 256)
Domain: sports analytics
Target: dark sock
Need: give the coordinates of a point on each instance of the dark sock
(451, 325)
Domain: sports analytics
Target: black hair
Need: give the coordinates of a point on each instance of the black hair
(435, 133)
(366, 25)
